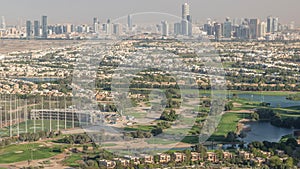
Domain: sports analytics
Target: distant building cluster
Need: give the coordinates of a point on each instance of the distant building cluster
(246, 29)
(230, 29)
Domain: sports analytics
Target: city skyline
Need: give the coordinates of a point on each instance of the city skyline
(70, 12)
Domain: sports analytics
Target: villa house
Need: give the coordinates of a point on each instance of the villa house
(124, 162)
(148, 159)
(195, 156)
(212, 157)
(227, 155)
(179, 157)
(164, 158)
(107, 163)
(245, 155)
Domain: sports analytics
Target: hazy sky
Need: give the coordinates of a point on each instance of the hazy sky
(82, 11)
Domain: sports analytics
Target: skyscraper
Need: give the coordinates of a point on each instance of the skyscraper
(95, 25)
(218, 31)
(270, 24)
(117, 29)
(275, 24)
(164, 28)
(28, 29)
(3, 24)
(44, 27)
(177, 28)
(227, 28)
(253, 25)
(184, 22)
(36, 30)
(129, 22)
(262, 29)
(185, 10)
(190, 25)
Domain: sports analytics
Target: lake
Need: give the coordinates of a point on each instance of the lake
(264, 131)
(275, 101)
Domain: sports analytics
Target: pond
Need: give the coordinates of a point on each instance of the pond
(264, 131)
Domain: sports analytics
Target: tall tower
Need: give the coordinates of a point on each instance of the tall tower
(190, 25)
(44, 27)
(164, 28)
(262, 29)
(275, 24)
(36, 26)
(185, 10)
(227, 28)
(3, 24)
(254, 23)
(95, 25)
(186, 19)
(269, 24)
(129, 22)
(28, 29)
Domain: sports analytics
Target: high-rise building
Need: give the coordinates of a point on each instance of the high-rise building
(269, 24)
(95, 25)
(227, 28)
(185, 19)
(185, 10)
(253, 25)
(272, 24)
(184, 27)
(3, 24)
(292, 25)
(129, 22)
(262, 29)
(218, 31)
(190, 25)
(44, 27)
(36, 26)
(164, 28)
(243, 31)
(28, 29)
(275, 24)
(117, 29)
(177, 28)
(69, 28)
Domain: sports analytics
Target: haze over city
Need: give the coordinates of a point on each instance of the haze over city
(82, 11)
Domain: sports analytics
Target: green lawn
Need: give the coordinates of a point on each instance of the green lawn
(139, 127)
(160, 141)
(24, 152)
(228, 123)
(71, 160)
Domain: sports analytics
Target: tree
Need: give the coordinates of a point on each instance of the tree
(228, 106)
(289, 163)
(231, 136)
(85, 148)
(275, 162)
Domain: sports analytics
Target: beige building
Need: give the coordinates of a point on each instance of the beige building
(179, 157)
(164, 158)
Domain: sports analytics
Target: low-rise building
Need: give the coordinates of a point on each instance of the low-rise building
(212, 157)
(107, 163)
(195, 156)
(227, 155)
(148, 159)
(245, 155)
(179, 157)
(164, 158)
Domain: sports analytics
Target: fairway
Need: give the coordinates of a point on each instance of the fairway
(227, 124)
(24, 152)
